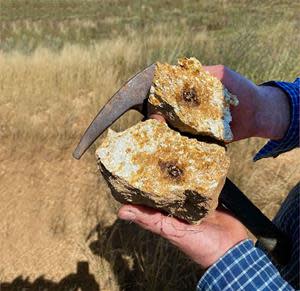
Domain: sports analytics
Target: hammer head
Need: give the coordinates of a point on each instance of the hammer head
(132, 95)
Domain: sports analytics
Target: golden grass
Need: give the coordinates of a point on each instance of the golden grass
(56, 211)
(47, 99)
(67, 87)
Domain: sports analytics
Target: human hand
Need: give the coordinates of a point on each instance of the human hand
(263, 111)
(204, 243)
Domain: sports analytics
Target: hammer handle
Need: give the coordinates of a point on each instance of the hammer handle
(267, 233)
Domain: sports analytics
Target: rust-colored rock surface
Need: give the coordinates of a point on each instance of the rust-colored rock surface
(192, 100)
(150, 164)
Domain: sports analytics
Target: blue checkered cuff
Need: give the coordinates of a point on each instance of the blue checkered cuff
(291, 139)
(244, 267)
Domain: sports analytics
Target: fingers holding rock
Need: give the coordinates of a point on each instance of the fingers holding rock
(155, 221)
(158, 116)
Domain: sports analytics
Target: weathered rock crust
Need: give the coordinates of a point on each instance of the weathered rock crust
(191, 209)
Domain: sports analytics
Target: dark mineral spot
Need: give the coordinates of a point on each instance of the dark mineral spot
(189, 95)
(171, 169)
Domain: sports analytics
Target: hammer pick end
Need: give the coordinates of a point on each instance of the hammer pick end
(132, 94)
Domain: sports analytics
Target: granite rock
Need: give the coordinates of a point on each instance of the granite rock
(192, 100)
(151, 164)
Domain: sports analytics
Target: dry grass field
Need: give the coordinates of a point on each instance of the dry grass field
(59, 62)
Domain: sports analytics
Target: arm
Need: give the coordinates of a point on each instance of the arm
(219, 243)
(243, 267)
(290, 139)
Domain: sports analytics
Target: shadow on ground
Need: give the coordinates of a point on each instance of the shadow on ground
(141, 260)
(81, 280)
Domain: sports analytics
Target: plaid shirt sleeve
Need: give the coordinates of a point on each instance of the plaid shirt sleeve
(244, 267)
(291, 139)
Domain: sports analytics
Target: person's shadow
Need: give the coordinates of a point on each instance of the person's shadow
(81, 280)
(141, 260)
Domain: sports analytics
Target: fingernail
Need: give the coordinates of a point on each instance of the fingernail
(127, 215)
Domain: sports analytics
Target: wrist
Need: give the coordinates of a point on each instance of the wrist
(272, 113)
(224, 248)
(226, 232)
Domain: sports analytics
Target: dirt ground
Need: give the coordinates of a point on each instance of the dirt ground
(47, 210)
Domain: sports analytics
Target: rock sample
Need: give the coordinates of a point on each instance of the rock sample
(192, 100)
(152, 165)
